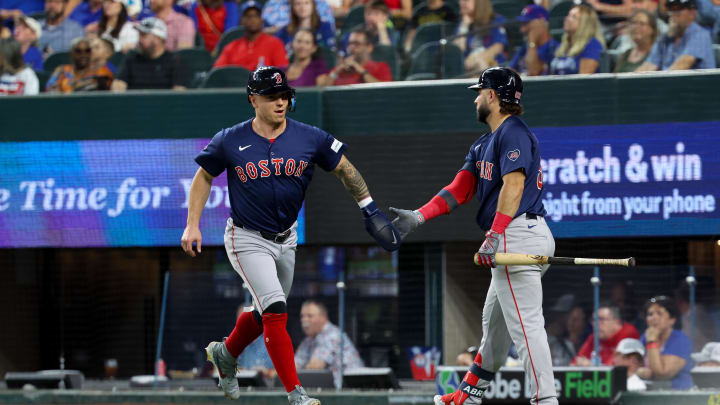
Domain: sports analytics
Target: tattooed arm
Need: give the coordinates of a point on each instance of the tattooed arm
(351, 179)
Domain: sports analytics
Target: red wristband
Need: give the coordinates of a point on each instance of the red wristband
(501, 222)
(652, 345)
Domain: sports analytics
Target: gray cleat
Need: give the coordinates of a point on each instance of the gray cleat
(226, 365)
(298, 396)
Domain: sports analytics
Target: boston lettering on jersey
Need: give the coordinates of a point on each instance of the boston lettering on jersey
(511, 147)
(267, 180)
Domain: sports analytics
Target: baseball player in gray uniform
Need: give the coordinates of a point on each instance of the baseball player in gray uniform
(502, 169)
(270, 161)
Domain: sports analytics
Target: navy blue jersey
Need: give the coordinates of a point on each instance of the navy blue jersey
(267, 181)
(511, 147)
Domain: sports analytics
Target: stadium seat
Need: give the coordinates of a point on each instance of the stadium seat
(558, 13)
(427, 59)
(716, 49)
(43, 77)
(355, 17)
(386, 53)
(55, 60)
(226, 77)
(329, 55)
(604, 63)
(117, 59)
(197, 61)
(420, 76)
(430, 33)
(227, 37)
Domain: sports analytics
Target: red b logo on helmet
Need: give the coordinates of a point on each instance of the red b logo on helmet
(278, 78)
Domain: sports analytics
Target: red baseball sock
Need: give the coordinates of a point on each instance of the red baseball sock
(245, 332)
(280, 349)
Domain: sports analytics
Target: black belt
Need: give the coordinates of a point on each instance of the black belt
(532, 216)
(272, 237)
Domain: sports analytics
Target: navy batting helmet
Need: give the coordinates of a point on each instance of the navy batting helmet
(267, 80)
(506, 83)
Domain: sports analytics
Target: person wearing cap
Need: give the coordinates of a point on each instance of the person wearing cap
(611, 330)
(115, 26)
(685, 46)
(482, 47)
(630, 353)
(709, 356)
(214, 17)
(27, 32)
(255, 48)
(87, 12)
(180, 28)
(58, 31)
(582, 43)
(535, 55)
(81, 74)
(667, 348)
(151, 66)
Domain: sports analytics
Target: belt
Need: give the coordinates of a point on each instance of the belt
(532, 216)
(272, 237)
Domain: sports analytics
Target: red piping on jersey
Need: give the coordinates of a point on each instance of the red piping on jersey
(247, 280)
(462, 188)
(532, 365)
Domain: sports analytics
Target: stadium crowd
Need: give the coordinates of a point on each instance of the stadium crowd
(73, 45)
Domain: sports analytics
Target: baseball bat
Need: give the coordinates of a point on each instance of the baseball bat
(518, 258)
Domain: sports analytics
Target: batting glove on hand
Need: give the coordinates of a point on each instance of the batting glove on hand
(486, 253)
(407, 221)
(380, 228)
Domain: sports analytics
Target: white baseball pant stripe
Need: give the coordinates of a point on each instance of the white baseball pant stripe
(513, 309)
(266, 267)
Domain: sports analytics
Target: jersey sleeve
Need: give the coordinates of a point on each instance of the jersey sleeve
(329, 151)
(471, 159)
(678, 345)
(514, 151)
(212, 157)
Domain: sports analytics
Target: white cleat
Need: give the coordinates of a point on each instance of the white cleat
(226, 366)
(298, 396)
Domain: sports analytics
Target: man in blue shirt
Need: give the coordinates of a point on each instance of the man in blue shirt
(58, 31)
(87, 12)
(534, 57)
(685, 46)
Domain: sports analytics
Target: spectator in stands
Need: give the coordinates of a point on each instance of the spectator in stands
(180, 28)
(213, 18)
(611, 330)
(466, 357)
(303, 14)
(578, 327)
(151, 66)
(534, 56)
(709, 15)
(255, 48)
(340, 8)
(685, 46)
(27, 32)
(643, 31)
(307, 63)
(116, 26)
(13, 9)
(16, 78)
(483, 46)
(630, 353)
(624, 41)
(276, 14)
(101, 49)
(611, 12)
(401, 9)
(582, 43)
(562, 350)
(358, 67)
(320, 348)
(58, 31)
(81, 74)
(377, 24)
(87, 12)
(704, 326)
(667, 349)
(435, 11)
(709, 356)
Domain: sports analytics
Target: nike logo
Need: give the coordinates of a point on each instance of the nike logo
(531, 226)
(242, 148)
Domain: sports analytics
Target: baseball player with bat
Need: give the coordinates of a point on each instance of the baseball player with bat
(270, 160)
(503, 170)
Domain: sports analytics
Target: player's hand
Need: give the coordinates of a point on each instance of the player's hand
(459, 397)
(191, 235)
(380, 228)
(488, 249)
(406, 221)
